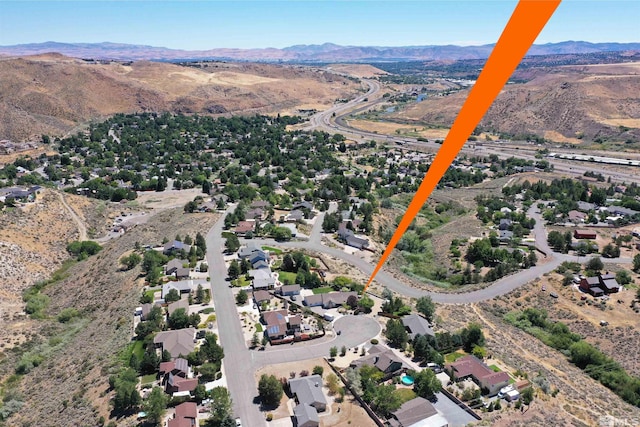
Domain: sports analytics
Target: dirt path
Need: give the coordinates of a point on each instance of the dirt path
(82, 229)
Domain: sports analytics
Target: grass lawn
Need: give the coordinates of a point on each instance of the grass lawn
(405, 394)
(324, 290)
(273, 250)
(150, 293)
(148, 379)
(452, 357)
(227, 234)
(494, 368)
(136, 347)
(258, 327)
(288, 276)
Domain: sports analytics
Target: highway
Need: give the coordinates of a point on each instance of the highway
(333, 120)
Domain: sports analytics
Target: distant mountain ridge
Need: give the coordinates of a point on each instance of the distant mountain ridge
(327, 52)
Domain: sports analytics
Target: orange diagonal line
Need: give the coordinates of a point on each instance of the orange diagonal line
(526, 22)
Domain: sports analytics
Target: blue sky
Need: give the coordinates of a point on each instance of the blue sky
(257, 24)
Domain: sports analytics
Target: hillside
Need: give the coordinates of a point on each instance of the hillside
(52, 94)
(105, 298)
(561, 104)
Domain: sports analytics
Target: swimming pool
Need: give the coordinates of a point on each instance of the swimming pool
(407, 380)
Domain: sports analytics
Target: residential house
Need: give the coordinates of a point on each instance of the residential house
(255, 214)
(276, 323)
(262, 279)
(260, 204)
(586, 207)
(145, 309)
(382, 358)
(306, 416)
(418, 412)
(308, 390)
(302, 205)
(178, 343)
(471, 367)
(182, 273)
(182, 303)
(328, 300)
(183, 287)
(577, 217)
(260, 264)
(505, 223)
(173, 265)
(295, 323)
(186, 415)
(257, 256)
(289, 290)
(584, 234)
(591, 285)
(608, 283)
(262, 296)
(175, 246)
(244, 227)
(417, 325)
(294, 216)
(178, 367)
(505, 235)
(622, 211)
(349, 238)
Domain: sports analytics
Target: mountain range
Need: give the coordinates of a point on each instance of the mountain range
(327, 52)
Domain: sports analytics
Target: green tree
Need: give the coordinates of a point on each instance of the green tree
(472, 336)
(281, 234)
(318, 370)
(426, 384)
(623, 277)
(172, 296)
(234, 269)
(386, 400)
(426, 307)
(155, 406)
(527, 396)
(636, 263)
(556, 240)
(221, 405)
(210, 348)
(594, 264)
(333, 352)
(199, 294)
(270, 390)
(366, 303)
(396, 333)
(242, 297)
(130, 261)
(179, 319)
(200, 393)
(232, 243)
(611, 251)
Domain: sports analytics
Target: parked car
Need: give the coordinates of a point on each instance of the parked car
(553, 295)
(238, 422)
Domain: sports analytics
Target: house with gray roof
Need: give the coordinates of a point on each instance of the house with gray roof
(308, 390)
(418, 412)
(306, 416)
(178, 343)
(182, 303)
(173, 265)
(175, 245)
(382, 358)
(417, 325)
(328, 300)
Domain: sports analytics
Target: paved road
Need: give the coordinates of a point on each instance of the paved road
(325, 120)
(499, 287)
(355, 330)
(237, 361)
